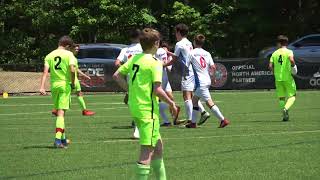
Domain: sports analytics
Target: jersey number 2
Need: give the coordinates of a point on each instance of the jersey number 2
(135, 68)
(280, 60)
(58, 61)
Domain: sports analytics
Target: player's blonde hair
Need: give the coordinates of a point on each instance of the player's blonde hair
(149, 37)
(199, 39)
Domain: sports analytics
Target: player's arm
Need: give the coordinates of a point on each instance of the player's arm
(271, 65)
(72, 66)
(294, 68)
(120, 76)
(120, 58)
(83, 74)
(43, 78)
(173, 55)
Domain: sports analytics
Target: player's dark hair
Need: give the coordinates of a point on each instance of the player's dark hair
(65, 41)
(134, 33)
(148, 38)
(199, 39)
(283, 40)
(182, 29)
(164, 44)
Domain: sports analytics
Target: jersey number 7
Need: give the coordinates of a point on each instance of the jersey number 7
(135, 68)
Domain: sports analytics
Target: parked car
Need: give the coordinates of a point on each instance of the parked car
(104, 53)
(97, 61)
(306, 49)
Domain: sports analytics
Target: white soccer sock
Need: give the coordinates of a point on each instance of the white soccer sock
(162, 107)
(201, 108)
(217, 113)
(195, 114)
(136, 133)
(189, 106)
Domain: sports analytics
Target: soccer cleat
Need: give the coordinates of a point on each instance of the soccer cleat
(204, 117)
(65, 142)
(191, 125)
(285, 115)
(166, 124)
(58, 144)
(175, 118)
(88, 113)
(54, 112)
(224, 123)
(179, 122)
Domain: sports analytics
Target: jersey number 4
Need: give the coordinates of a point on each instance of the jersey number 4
(280, 60)
(135, 68)
(58, 61)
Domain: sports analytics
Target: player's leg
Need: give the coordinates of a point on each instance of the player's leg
(162, 108)
(195, 112)
(169, 93)
(149, 141)
(81, 101)
(281, 93)
(187, 97)
(205, 95)
(290, 87)
(157, 163)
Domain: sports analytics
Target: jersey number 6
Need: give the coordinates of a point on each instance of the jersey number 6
(135, 68)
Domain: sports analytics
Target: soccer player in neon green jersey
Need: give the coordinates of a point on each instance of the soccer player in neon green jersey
(145, 75)
(62, 65)
(283, 66)
(78, 92)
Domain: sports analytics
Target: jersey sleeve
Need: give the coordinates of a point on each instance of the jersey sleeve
(46, 63)
(290, 53)
(122, 56)
(177, 50)
(211, 63)
(72, 59)
(124, 69)
(271, 58)
(157, 72)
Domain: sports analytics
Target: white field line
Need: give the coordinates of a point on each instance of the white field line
(184, 138)
(48, 112)
(50, 104)
(67, 116)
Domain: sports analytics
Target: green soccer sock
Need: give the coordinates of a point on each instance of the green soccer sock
(59, 127)
(282, 103)
(290, 102)
(82, 103)
(159, 169)
(142, 171)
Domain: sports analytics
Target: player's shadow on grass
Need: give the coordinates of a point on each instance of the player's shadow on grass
(121, 127)
(39, 147)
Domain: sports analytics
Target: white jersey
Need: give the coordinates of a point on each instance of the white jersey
(201, 62)
(127, 52)
(182, 50)
(162, 55)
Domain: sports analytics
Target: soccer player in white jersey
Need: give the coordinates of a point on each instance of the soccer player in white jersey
(202, 64)
(182, 49)
(162, 55)
(125, 54)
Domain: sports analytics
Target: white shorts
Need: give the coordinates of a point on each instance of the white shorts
(203, 93)
(188, 83)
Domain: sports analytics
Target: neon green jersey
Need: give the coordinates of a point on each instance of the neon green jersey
(143, 72)
(282, 65)
(59, 62)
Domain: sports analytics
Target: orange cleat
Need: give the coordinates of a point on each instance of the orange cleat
(224, 123)
(88, 113)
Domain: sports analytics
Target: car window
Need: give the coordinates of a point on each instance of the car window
(309, 41)
(101, 53)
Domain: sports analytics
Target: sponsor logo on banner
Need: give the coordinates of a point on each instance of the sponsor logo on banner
(221, 76)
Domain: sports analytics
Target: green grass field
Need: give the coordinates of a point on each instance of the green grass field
(257, 144)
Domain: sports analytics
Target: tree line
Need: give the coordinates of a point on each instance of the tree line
(233, 28)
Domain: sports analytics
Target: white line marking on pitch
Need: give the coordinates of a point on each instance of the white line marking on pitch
(179, 138)
(48, 112)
